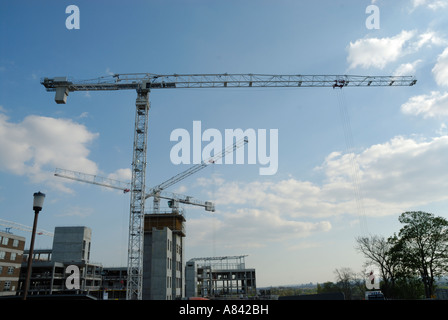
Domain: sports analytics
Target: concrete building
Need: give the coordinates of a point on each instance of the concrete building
(71, 244)
(114, 283)
(11, 255)
(163, 261)
(71, 247)
(220, 277)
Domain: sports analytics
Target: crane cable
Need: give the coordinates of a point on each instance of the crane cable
(350, 152)
(213, 199)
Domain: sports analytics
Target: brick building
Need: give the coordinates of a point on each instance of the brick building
(11, 256)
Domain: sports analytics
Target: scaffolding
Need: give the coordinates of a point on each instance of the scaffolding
(222, 277)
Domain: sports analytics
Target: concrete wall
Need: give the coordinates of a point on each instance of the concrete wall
(71, 244)
(191, 279)
(163, 265)
(155, 264)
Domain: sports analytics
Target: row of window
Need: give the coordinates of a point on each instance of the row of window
(10, 270)
(169, 282)
(170, 246)
(169, 262)
(5, 240)
(12, 256)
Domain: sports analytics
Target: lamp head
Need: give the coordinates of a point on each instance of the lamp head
(38, 201)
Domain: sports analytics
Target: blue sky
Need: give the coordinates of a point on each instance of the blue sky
(296, 226)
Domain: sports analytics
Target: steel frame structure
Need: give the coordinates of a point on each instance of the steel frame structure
(156, 81)
(125, 187)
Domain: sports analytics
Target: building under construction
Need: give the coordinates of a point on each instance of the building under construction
(163, 276)
(219, 278)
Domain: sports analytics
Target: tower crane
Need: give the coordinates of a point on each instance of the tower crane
(124, 186)
(155, 191)
(143, 83)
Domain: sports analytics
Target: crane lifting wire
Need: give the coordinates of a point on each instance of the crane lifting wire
(354, 166)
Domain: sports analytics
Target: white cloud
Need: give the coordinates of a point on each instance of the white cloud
(37, 145)
(440, 70)
(385, 171)
(434, 104)
(407, 69)
(429, 38)
(109, 72)
(250, 228)
(404, 172)
(123, 175)
(76, 211)
(432, 4)
(393, 177)
(442, 130)
(378, 52)
(84, 115)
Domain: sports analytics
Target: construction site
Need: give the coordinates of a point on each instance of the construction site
(165, 275)
(156, 267)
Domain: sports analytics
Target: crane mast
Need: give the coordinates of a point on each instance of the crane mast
(144, 82)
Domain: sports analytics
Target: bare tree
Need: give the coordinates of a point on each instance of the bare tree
(345, 278)
(377, 250)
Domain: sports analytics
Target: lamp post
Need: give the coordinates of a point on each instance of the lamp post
(37, 207)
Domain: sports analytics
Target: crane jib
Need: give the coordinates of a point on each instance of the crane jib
(147, 81)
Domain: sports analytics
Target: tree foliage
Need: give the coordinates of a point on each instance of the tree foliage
(413, 259)
(422, 245)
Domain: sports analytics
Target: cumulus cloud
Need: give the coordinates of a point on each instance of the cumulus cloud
(440, 70)
(394, 176)
(37, 145)
(251, 228)
(123, 175)
(406, 69)
(432, 4)
(404, 172)
(429, 38)
(76, 211)
(378, 52)
(434, 104)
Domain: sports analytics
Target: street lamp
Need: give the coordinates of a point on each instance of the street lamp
(37, 207)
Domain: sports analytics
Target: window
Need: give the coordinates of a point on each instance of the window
(5, 241)
(2, 254)
(7, 286)
(15, 243)
(13, 256)
(11, 270)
